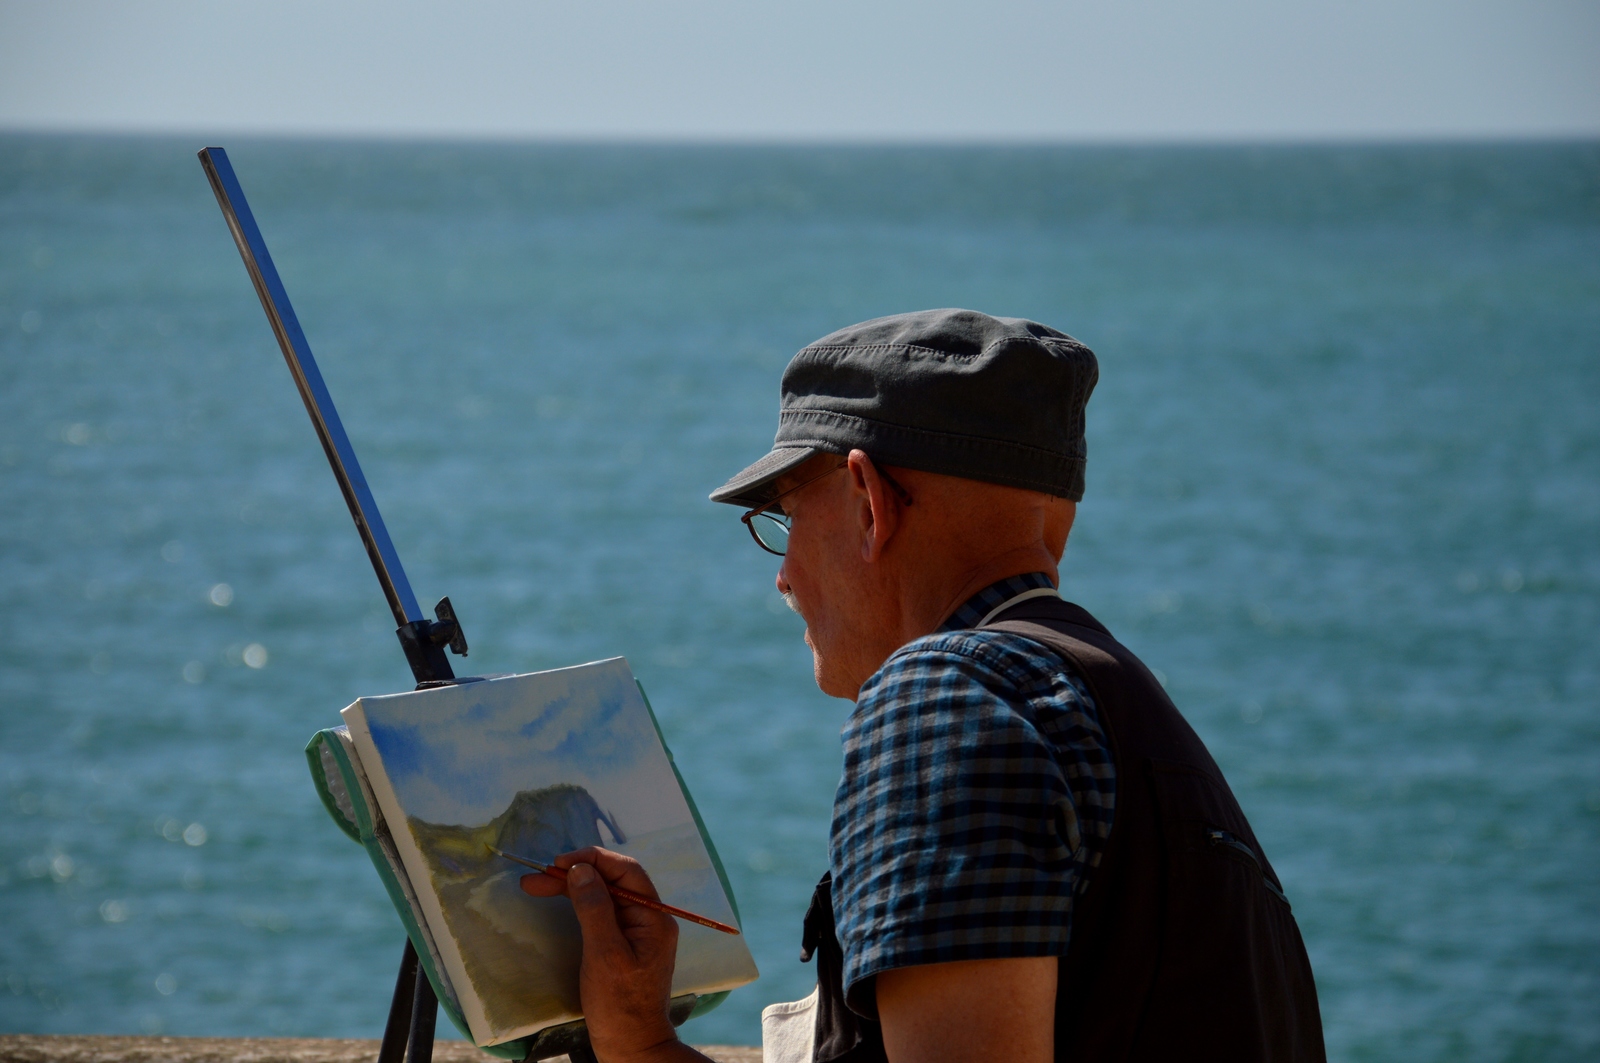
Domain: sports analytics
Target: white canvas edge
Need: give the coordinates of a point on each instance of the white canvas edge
(386, 844)
(416, 867)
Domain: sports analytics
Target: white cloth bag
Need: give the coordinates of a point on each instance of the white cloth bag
(789, 1031)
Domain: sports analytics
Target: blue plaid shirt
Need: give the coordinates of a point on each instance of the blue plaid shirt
(977, 794)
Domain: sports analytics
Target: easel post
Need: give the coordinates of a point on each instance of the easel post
(397, 1031)
(414, 1008)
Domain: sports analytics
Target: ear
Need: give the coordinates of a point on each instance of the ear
(877, 510)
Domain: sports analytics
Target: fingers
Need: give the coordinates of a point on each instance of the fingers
(542, 885)
(586, 888)
(597, 914)
(629, 951)
(608, 922)
(616, 869)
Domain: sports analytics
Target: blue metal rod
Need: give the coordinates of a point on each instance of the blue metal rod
(319, 404)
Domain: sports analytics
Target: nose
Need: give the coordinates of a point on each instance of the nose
(782, 580)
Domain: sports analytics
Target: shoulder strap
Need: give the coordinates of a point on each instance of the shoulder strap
(1140, 720)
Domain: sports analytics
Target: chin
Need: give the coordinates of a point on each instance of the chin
(826, 673)
(829, 681)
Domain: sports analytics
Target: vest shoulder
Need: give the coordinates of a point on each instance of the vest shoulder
(1000, 651)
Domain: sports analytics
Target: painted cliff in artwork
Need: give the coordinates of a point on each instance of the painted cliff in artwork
(506, 936)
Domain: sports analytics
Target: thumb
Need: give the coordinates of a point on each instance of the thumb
(597, 913)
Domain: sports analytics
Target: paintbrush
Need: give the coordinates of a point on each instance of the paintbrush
(619, 893)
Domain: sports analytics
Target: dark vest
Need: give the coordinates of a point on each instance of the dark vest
(1183, 945)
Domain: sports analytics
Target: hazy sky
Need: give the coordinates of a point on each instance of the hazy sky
(1005, 69)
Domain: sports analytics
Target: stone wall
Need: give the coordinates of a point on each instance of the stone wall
(39, 1048)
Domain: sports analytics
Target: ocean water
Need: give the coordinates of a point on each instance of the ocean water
(1344, 493)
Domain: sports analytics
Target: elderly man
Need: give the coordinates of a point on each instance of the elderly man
(1032, 855)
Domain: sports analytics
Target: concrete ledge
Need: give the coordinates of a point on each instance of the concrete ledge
(49, 1048)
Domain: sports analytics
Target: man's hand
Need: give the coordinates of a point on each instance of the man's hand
(625, 980)
(970, 1009)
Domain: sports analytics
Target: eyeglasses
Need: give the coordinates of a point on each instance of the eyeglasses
(770, 528)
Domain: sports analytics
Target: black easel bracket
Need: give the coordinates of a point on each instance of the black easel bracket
(424, 643)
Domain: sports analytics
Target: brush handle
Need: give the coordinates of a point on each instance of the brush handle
(647, 902)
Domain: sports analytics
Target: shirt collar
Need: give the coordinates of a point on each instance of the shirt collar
(976, 609)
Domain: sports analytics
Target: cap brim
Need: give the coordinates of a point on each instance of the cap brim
(753, 486)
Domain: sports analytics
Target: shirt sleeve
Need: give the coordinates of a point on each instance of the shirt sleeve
(955, 835)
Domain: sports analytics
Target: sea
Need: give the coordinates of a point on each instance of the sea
(1343, 496)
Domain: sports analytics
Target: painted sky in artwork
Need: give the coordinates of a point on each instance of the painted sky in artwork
(460, 754)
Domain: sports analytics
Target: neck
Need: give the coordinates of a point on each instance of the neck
(929, 595)
(918, 564)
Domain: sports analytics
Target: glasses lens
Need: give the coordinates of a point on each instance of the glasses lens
(772, 530)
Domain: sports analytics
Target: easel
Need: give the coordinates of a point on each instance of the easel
(408, 1035)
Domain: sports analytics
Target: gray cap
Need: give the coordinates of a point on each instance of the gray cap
(998, 399)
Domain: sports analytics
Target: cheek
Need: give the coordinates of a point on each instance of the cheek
(804, 577)
(820, 561)
(822, 582)
(797, 578)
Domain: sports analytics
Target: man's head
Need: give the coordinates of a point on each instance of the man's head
(924, 457)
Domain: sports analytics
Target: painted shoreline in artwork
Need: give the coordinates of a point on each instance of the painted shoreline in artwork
(536, 765)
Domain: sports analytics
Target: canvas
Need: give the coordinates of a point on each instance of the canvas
(536, 765)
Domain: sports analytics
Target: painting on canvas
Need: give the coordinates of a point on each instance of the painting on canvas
(536, 765)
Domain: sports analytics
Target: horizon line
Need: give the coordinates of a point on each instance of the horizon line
(819, 140)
